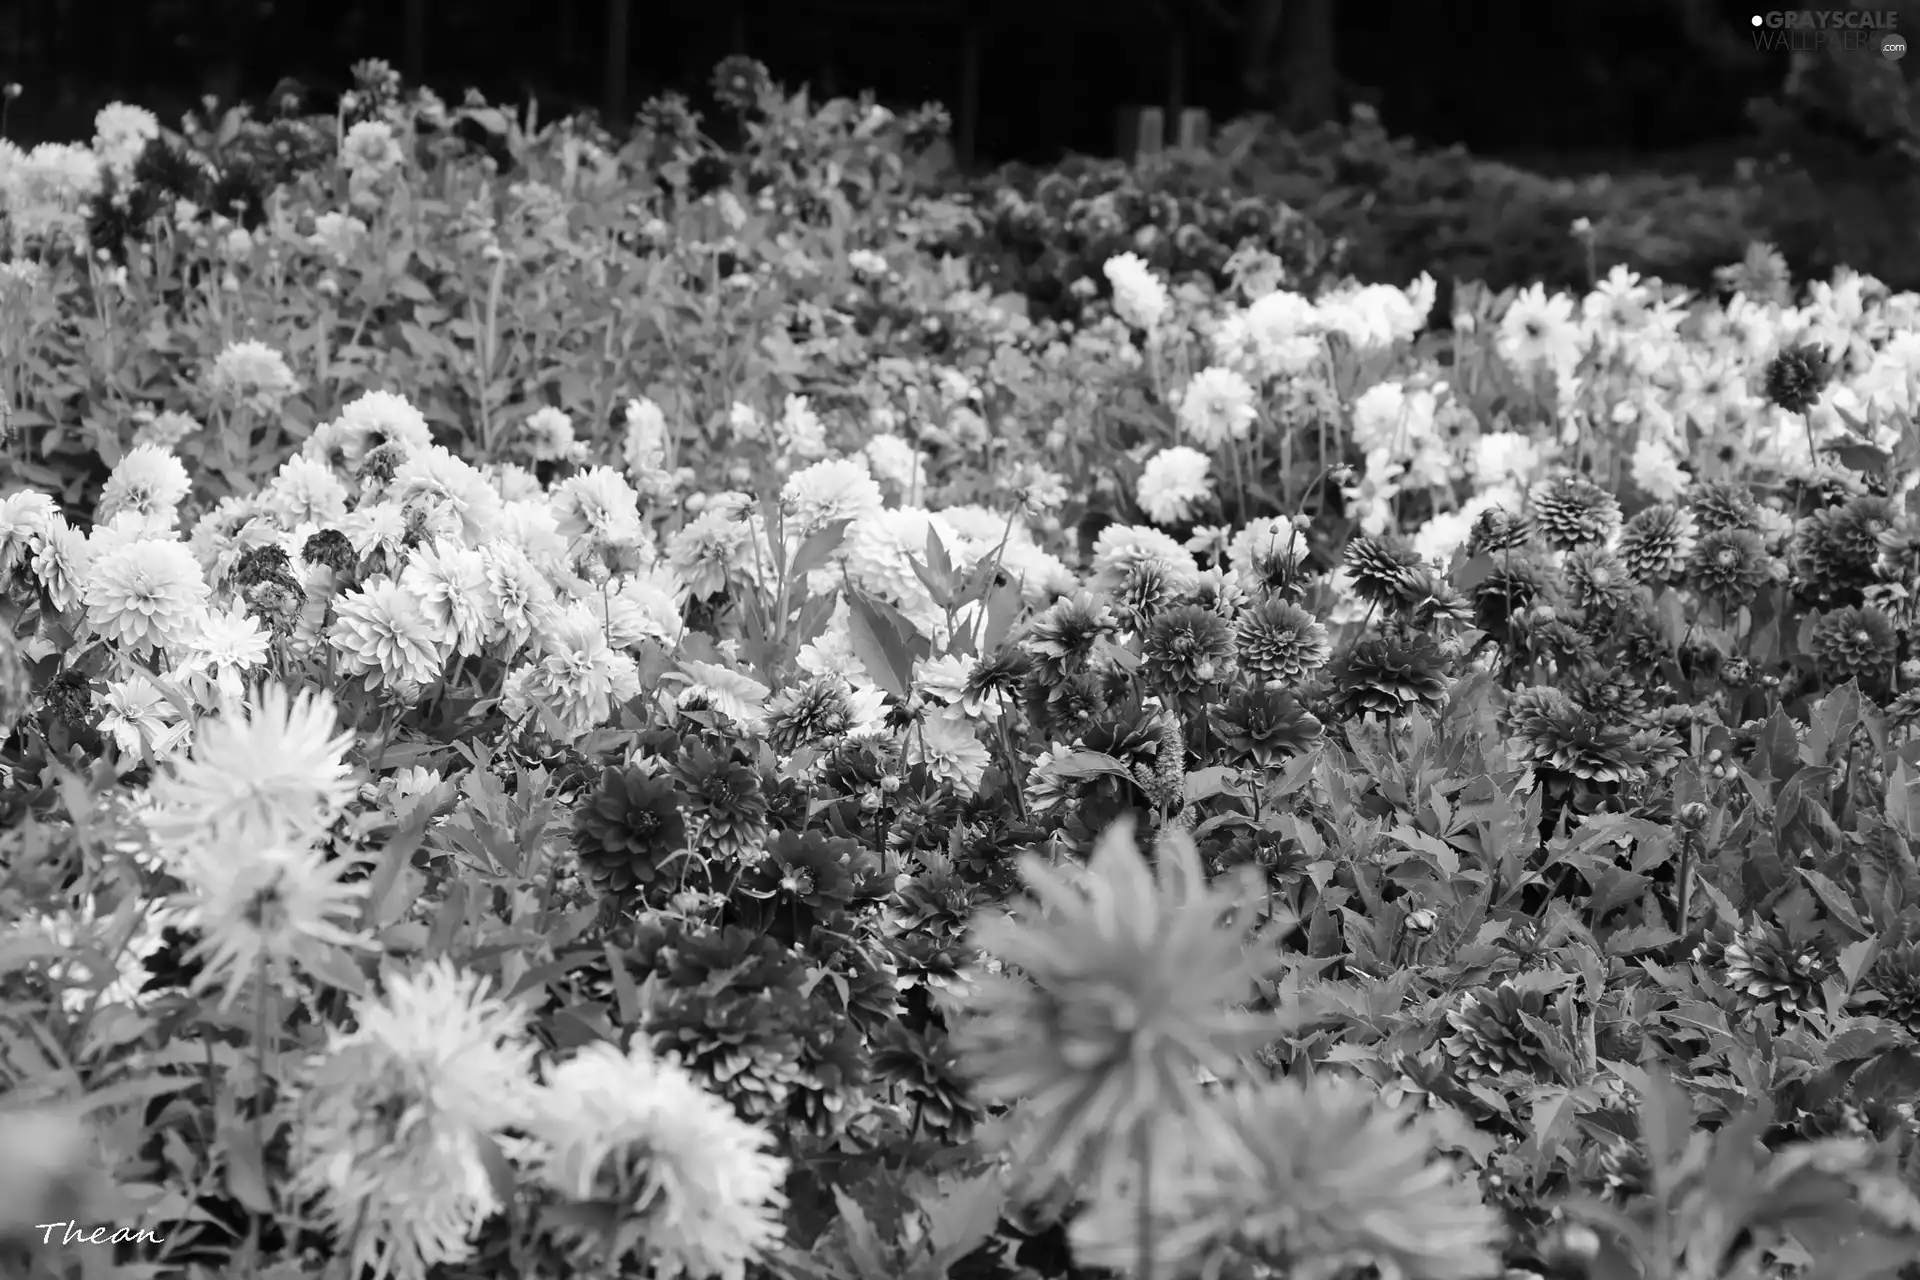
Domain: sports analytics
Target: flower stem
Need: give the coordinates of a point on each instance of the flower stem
(1143, 1143)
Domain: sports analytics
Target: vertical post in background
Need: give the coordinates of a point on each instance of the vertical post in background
(614, 81)
(416, 41)
(966, 133)
(1176, 67)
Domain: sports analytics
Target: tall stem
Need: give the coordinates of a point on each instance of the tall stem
(1143, 1144)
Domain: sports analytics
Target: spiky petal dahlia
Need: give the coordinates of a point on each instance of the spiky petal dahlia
(1280, 642)
(1512, 586)
(1855, 644)
(1729, 565)
(1383, 572)
(1895, 977)
(1264, 726)
(1573, 511)
(1764, 969)
(725, 805)
(1188, 649)
(627, 830)
(1490, 1034)
(1390, 677)
(1552, 732)
(1656, 544)
(1724, 504)
(1497, 530)
(1797, 376)
(1596, 579)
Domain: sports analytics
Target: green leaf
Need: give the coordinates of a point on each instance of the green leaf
(1638, 938)
(879, 646)
(246, 1170)
(818, 549)
(1835, 900)
(1088, 764)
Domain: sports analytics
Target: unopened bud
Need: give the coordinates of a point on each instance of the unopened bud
(1422, 921)
(1694, 816)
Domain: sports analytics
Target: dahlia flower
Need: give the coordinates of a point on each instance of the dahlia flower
(148, 481)
(145, 594)
(1139, 298)
(636, 1131)
(396, 1116)
(1126, 993)
(253, 374)
(382, 634)
(1174, 485)
(1216, 407)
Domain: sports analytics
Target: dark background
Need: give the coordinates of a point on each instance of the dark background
(1564, 84)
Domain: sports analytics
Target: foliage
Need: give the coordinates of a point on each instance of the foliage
(614, 715)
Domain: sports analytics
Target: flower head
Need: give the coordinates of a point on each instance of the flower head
(1118, 988)
(146, 593)
(1657, 543)
(253, 374)
(636, 1133)
(1217, 407)
(261, 909)
(1574, 511)
(1323, 1180)
(1138, 296)
(148, 481)
(1280, 642)
(396, 1117)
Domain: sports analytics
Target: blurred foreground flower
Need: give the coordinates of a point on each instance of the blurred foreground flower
(396, 1124)
(1121, 997)
(662, 1169)
(1322, 1178)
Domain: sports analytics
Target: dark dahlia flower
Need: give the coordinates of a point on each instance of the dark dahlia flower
(1280, 642)
(626, 830)
(1550, 731)
(69, 698)
(1067, 635)
(1511, 586)
(1613, 695)
(1729, 566)
(1389, 677)
(330, 548)
(1573, 511)
(1262, 726)
(997, 679)
(1188, 649)
(1855, 644)
(1435, 599)
(1797, 376)
(1836, 549)
(1384, 572)
(708, 173)
(1146, 588)
(931, 1079)
(1491, 1033)
(808, 715)
(1656, 544)
(1596, 580)
(166, 171)
(1497, 531)
(1895, 979)
(1723, 504)
(118, 217)
(1764, 969)
(739, 82)
(727, 813)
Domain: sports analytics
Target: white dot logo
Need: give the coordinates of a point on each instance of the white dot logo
(1758, 20)
(1893, 46)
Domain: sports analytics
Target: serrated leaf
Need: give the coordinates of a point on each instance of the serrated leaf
(1088, 764)
(1638, 938)
(1835, 900)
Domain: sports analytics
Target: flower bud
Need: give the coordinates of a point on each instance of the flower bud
(1422, 921)
(1694, 816)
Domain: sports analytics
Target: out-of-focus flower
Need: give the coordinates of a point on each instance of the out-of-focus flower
(1128, 989)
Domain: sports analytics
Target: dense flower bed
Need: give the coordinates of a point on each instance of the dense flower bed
(592, 709)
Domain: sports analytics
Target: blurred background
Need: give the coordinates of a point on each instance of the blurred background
(1665, 98)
